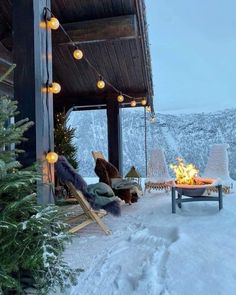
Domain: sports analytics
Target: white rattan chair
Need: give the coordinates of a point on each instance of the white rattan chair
(218, 166)
(158, 177)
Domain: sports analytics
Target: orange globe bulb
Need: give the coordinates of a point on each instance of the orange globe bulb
(120, 98)
(78, 54)
(133, 103)
(53, 23)
(100, 84)
(52, 157)
(143, 101)
(54, 88)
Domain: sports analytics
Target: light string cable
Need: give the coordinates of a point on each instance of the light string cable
(89, 63)
(45, 15)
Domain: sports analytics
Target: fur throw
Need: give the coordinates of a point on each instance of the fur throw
(124, 189)
(105, 171)
(66, 173)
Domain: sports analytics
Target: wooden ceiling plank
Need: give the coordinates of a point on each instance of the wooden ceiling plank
(126, 69)
(137, 65)
(62, 66)
(115, 67)
(84, 73)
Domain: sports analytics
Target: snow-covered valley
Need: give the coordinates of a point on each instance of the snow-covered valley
(187, 135)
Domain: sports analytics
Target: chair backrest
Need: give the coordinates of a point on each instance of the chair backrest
(218, 162)
(157, 166)
(97, 154)
(79, 196)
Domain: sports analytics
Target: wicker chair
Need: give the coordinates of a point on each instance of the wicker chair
(218, 167)
(158, 177)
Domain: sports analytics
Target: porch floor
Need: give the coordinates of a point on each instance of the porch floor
(153, 251)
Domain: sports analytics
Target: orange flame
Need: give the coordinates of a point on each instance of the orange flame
(185, 173)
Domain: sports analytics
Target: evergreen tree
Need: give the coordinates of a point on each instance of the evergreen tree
(63, 137)
(32, 237)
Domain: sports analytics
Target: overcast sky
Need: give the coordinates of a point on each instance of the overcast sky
(193, 49)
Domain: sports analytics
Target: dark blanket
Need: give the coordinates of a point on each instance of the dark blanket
(66, 173)
(103, 192)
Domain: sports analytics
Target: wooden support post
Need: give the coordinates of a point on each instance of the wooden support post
(114, 134)
(30, 76)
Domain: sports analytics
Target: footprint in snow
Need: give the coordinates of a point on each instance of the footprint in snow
(135, 265)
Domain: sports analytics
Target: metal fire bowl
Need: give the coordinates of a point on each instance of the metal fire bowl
(191, 192)
(196, 190)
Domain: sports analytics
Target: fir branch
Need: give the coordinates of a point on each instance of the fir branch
(32, 237)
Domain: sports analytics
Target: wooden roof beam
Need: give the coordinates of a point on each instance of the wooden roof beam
(93, 101)
(98, 30)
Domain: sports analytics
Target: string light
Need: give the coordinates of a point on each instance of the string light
(143, 101)
(100, 83)
(78, 54)
(52, 157)
(133, 103)
(53, 23)
(54, 88)
(120, 98)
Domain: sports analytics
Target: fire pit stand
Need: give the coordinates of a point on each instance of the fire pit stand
(192, 195)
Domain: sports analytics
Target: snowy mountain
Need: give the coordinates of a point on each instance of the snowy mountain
(187, 135)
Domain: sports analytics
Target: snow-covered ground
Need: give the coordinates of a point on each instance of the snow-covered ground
(153, 251)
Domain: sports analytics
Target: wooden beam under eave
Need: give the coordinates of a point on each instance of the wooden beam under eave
(93, 101)
(98, 30)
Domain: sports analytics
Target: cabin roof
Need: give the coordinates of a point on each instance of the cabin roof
(112, 35)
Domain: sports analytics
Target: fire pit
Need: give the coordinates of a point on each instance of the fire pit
(196, 189)
(189, 185)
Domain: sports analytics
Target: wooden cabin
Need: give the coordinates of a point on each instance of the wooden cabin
(112, 35)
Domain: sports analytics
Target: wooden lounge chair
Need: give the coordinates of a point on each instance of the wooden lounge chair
(97, 154)
(89, 216)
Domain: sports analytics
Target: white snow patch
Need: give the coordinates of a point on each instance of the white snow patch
(155, 252)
